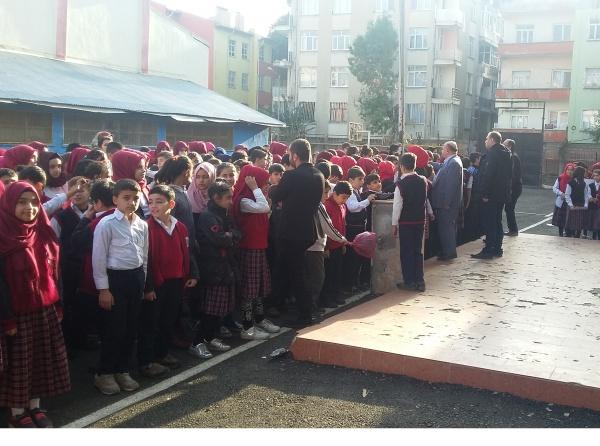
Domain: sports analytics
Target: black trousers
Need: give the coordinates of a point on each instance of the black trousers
(120, 324)
(280, 282)
(511, 218)
(157, 321)
(352, 261)
(411, 253)
(207, 328)
(314, 274)
(334, 271)
(293, 253)
(491, 220)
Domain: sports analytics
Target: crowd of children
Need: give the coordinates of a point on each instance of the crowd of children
(117, 248)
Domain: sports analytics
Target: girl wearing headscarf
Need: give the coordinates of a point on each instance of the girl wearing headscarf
(250, 212)
(205, 174)
(56, 180)
(129, 164)
(76, 155)
(39, 146)
(559, 218)
(198, 147)
(181, 148)
(368, 165)
(29, 308)
(387, 170)
(21, 155)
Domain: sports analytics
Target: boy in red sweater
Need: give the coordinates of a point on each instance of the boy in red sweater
(168, 275)
(334, 255)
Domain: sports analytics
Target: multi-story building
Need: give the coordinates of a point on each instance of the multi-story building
(447, 65)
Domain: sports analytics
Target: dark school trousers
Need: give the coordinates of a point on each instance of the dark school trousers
(293, 253)
(352, 261)
(120, 324)
(280, 283)
(314, 274)
(491, 220)
(157, 321)
(334, 272)
(411, 253)
(511, 219)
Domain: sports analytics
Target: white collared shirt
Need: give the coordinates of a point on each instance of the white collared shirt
(260, 206)
(119, 245)
(354, 204)
(169, 228)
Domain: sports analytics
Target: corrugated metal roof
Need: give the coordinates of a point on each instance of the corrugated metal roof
(52, 82)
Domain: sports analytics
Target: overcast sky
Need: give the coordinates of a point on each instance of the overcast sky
(258, 14)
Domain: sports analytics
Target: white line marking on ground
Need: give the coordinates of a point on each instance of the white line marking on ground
(536, 225)
(531, 213)
(166, 384)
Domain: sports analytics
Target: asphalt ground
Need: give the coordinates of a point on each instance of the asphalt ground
(249, 390)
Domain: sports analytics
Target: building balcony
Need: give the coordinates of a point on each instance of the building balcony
(486, 105)
(535, 49)
(491, 36)
(535, 94)
(449, 57)
(450, 17)
(489, 71)
(446, 96)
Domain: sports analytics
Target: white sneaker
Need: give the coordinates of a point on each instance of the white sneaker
(200, 351)
(218, 346)
(268, 326)
(254, 334)
(126, 382)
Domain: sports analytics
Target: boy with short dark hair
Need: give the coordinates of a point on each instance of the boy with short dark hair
(112, 148)
(408, 222)
(336, 174)
(275, 173)
(258, 157)
(8, 176)
(169, 275)
(120, 262)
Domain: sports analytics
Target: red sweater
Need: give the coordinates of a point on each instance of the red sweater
(337, 214)
(169, 255)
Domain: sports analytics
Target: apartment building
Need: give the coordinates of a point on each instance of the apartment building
(447, 66)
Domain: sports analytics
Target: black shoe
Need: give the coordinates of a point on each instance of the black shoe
(407, 286)
(447, 258)
(499, 253)
(340, 300)
(421, 287)
(328, 303)
(512, 234)
(483, 255)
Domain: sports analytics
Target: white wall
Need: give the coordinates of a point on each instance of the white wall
(107, 33)
(541, 70)
(543, 22)
(174, 52)
(28, 26)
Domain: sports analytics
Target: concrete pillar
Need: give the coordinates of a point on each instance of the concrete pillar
(58, 131)
(386, 271)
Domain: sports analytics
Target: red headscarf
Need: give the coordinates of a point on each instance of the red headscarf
(340, 152)
(44, 162)
(387, 170)
(346, 164)
(421, 154)
(17, 156)
(240, 147)
(324, 156)
(368, 165)
(210, 146)
(163, 146)
(337, 160)
(39, 146)
(278, 148)
(254, 227)
(125, 163)
(179, 146)
(565, 178)
(198, 147)
(277, 159)
(2, 188)
(30, 253)
(76, 155)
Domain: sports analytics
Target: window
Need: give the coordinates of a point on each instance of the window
(520, 79)
(383, 5)
(420, 4)
(592, 78)
(245, 81)
(558, 120)
(340, 40)
(472, 47)
(338, 112)
(417, 75)
(308, 77)
(594, 29)
(415, 113)
(340, 77)
(232, 45)
(418, 39)
(519, 120)
(487, 55)
(245, 51)
(342, 6)
(590, 117)
(261, 83)
(309, 7)
(261, 54)
(524, 33)
(309, 41)
(307, 109)
(562, 33)
(231, 79)
(561, 79)
(469, 83)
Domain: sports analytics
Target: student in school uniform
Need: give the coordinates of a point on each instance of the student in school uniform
(335, 205)
(21, 155)
(169, 260)
(314, 262)
(250, 213)
(336, 174)
(594, 206)
(408, 222)
(228, 172)
(204, 176)
(577, 197)
(217, 241)
(120, 262)
(8, 176)
(56, 180)
(559, 218)
(30, 314)
(130, 164)
(259, 158)
(356, 223)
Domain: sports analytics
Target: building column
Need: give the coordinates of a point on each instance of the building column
(58, 131)
(161, 130)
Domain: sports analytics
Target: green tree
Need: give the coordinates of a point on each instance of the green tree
(374, 63)
(595, 130)
(298, 119)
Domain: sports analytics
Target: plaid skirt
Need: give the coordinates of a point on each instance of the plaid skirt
(256, 277)
(559, 218)
(577, 219)
(218, 300)
(37, 365)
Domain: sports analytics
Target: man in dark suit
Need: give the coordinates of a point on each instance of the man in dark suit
(496, 176)
(300, 192)
(516, 190)
(446, 199)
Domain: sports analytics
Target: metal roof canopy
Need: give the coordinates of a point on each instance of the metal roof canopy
(58, 84)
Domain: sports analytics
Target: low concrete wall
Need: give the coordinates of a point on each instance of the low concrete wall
(385, 272)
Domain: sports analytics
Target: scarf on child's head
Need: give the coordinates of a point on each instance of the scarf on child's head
(565, 178)
(17, 156)
(44, 162)
(125, 163)
(199, 198)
